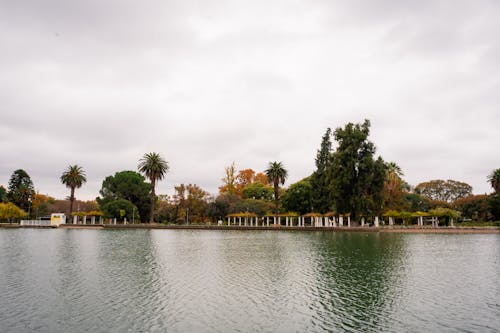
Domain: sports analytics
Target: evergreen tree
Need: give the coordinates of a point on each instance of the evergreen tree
(355, 179)
(321, 199)
(21, 190)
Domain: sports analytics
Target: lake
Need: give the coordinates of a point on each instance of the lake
(56, 280)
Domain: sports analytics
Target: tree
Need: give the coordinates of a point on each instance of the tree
(3, 194)
(120, 209)
(355, 179)
(277, 174)
(449, 190)
(193, 200)
(229, 180)
(298, 197)
(128, 185)
(260, 177)
(73, 177)
(393, 187)
(475, 207)
(41, 204)
(321, 200)
(257, 190)
(494, 179)
(21, 189)
(9, 211)
(154, 167)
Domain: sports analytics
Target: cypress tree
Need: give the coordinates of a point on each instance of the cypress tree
(321, 200)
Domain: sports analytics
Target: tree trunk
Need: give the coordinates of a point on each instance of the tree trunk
(71, 202)
(276, 197)
(151, 216)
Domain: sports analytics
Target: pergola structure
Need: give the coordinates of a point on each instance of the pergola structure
(330, 219)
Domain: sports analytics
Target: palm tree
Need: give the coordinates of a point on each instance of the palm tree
(393, 168)
(494, 179)
(73, 178)
(154, 167)
(277, 174)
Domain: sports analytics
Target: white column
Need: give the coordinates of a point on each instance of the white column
(92, 220)
(391, 220)
(100, 220)
(362, 221)
(239, 221)
(341, 221)
(114, 220)
(84, 219)
(267, 220)
(75, 219)
(349, 221)
(376, 222)
(274, 220)
(125, 220)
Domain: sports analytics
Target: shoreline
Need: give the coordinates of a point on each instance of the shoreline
(410, 230)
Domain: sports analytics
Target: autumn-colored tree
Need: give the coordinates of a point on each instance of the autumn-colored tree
(243, 178)
(154, 167)
(229, 180)
(261, 177)
(41, 204)
(475, 207)
(191, 202)
(73, 178)
(277, 174)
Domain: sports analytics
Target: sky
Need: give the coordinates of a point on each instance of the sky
(207, 83)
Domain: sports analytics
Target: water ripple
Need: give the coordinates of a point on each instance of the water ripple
(217, 281)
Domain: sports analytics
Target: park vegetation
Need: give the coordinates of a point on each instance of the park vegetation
(349, 178)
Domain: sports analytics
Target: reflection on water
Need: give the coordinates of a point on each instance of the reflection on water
(247, 281)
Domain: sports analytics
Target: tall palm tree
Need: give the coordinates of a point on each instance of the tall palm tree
(154, 167)
(276, 173)
(494, 179)
(73, 178)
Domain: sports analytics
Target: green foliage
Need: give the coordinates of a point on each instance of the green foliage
(119, 209)
(226, 203)
(494, 179)
(257, 190)
(299, 197)
(494, 206)
(277, 174)
(3, 194)
(444, 212)
(256, 206)
(415, 202)
(21, 189)
(154, 167)
(321, 200)
(449, 190)
(9, 211)
(74, 177)
(128, 185)
(356, 180)
(394, 187)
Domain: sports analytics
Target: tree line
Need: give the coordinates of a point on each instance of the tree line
(348, 178)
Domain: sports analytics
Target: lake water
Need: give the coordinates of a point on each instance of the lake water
(247, 281)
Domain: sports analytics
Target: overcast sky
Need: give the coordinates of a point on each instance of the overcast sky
(205, 83)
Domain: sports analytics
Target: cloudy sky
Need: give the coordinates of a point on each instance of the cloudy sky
(205, 83)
